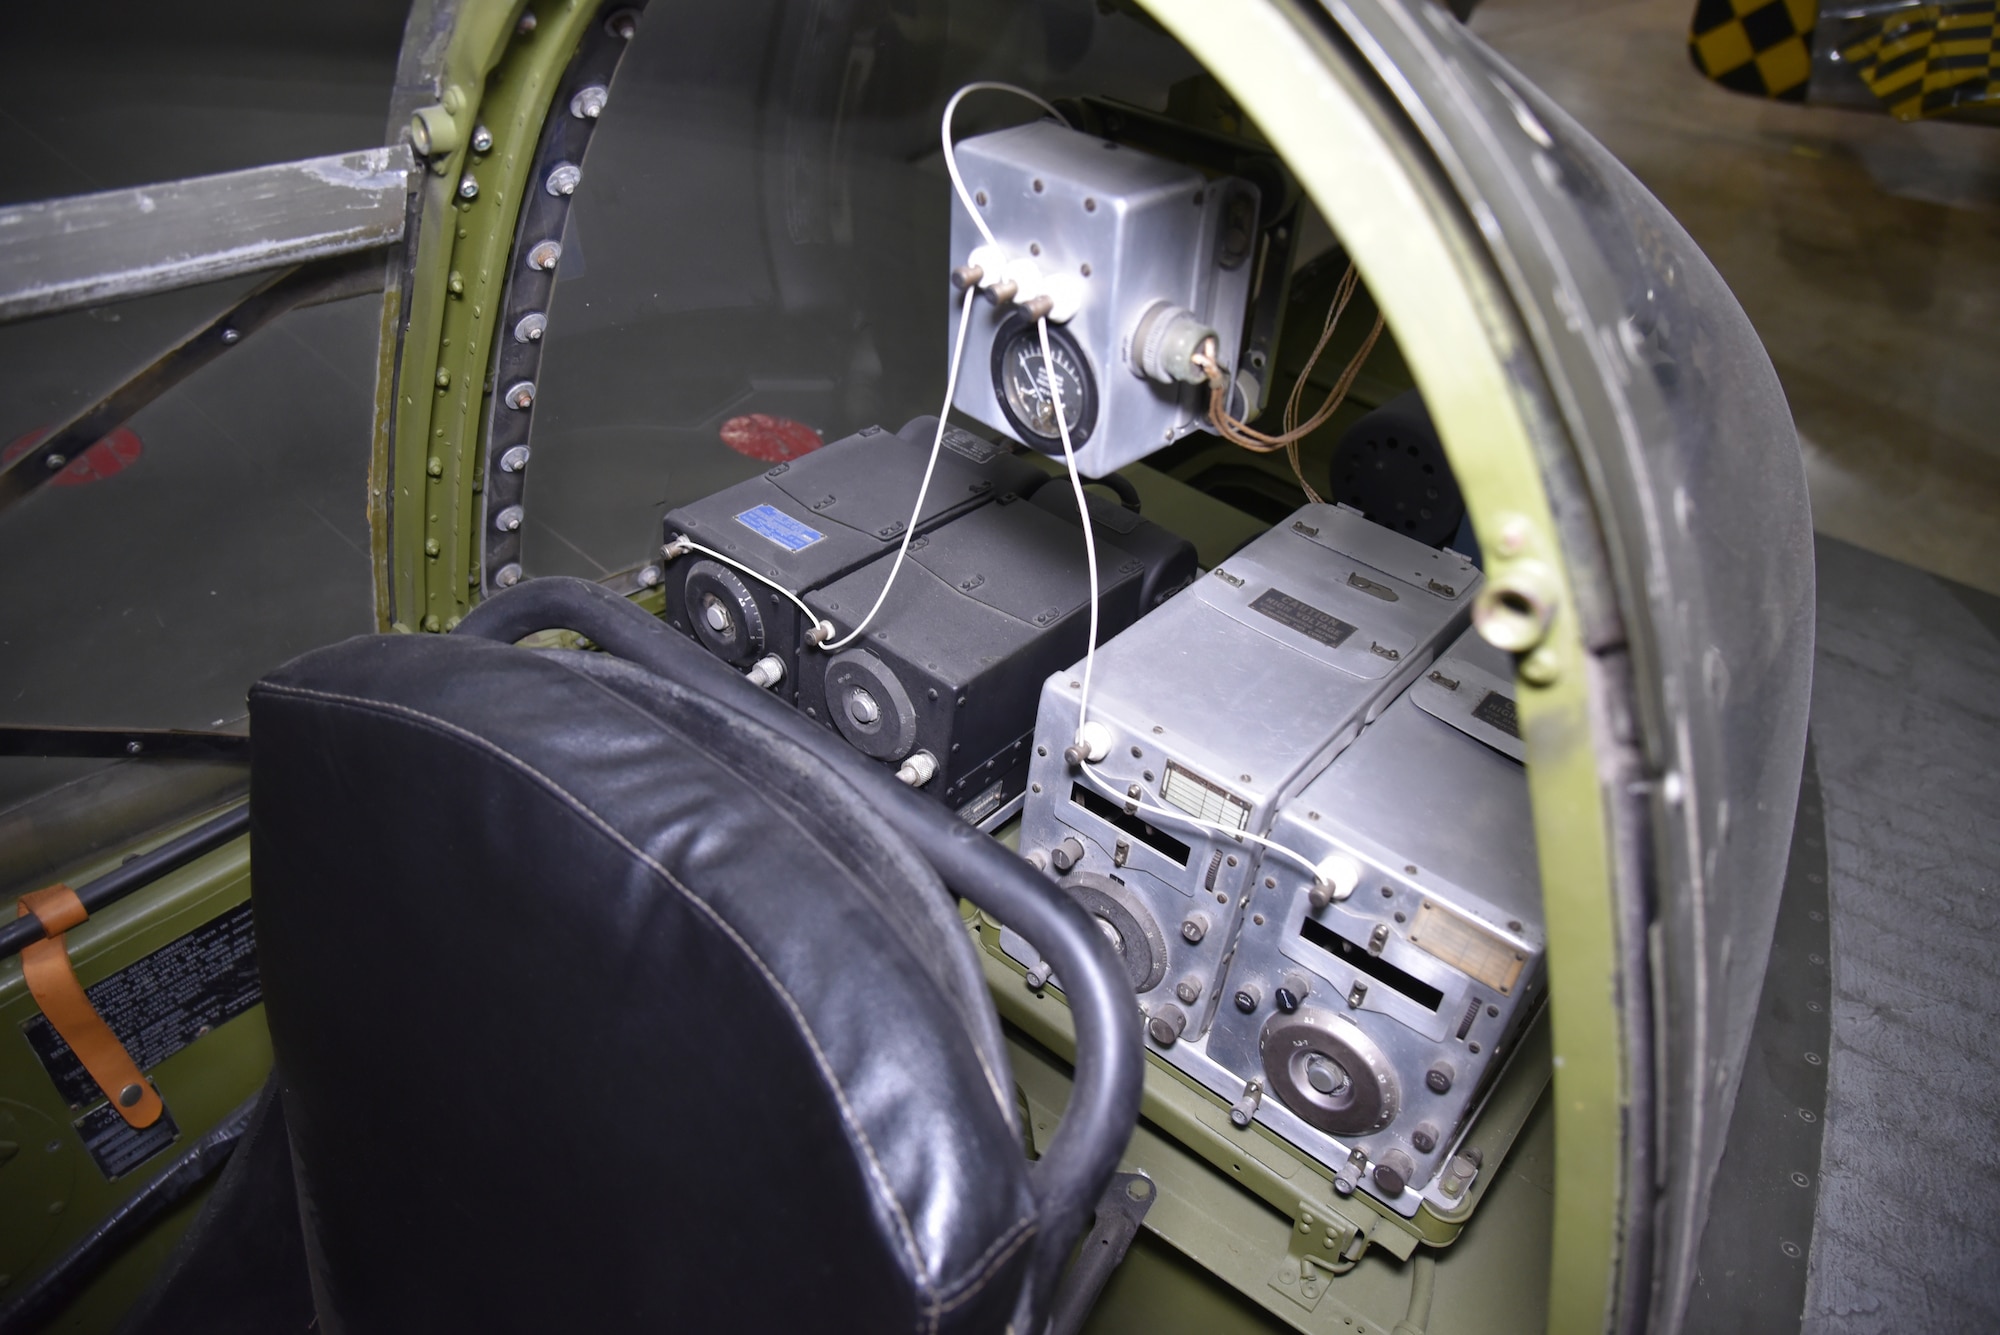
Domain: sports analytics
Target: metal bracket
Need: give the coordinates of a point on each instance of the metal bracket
(1325, 1243)
(1120, 1211)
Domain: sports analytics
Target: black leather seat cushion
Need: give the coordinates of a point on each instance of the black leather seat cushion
(598, 1007)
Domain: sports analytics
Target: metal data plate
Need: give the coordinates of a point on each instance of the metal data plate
(1214, 712)
(1471, 687)
(1374, 597)
(1138, 229)
(1435, 959)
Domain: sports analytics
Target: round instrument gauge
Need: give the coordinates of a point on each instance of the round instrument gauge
(1028, 393)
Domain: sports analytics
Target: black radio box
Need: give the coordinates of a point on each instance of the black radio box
(808, 522)
(985, 608)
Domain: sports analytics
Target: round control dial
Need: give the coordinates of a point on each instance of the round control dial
(724, 614)
(869, 705)
(1331, 1074)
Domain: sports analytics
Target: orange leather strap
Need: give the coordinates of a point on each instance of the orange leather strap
(46, 967)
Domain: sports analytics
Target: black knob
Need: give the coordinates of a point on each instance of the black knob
(1438, 1078)
(1424, 1138)
(1194, 928)
(1247, 999)
(1288, 1000)
(1066, 854)
(1166, 1024)
(1393, 1173)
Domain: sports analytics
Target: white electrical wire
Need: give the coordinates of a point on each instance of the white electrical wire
(951, 156)
(1182, 817)
(683, 540)
(944, 413)
(1082, 518)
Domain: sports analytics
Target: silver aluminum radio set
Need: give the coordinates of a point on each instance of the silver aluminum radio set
(1308, 838)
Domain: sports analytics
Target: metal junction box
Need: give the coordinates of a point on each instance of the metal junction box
(1137, 231)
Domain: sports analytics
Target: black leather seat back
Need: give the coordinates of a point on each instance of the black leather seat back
(597, 1006)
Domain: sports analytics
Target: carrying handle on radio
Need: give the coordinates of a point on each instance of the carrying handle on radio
(1110, 1056)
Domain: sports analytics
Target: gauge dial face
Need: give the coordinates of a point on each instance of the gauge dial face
(1029, 393)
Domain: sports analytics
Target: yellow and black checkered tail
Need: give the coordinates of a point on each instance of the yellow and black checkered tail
(1759, 47)
(1930, 60)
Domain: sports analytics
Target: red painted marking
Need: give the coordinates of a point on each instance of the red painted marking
(774, 440)
(114, 453)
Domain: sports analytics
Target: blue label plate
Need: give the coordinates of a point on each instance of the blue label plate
(767, 521)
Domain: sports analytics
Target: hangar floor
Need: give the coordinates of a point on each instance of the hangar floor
(1864, 251)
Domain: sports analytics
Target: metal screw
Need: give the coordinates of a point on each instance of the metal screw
(588, 104)
(527, 23)
(716, 615)
(563, 180)
(468, 188)
(129, 1096)
(622, 24)
(544, 254)
(861, 707)
(650, 577)
(507, 576)
(521, 395)
(509, 519)
(531, 327)
(514, 459)
(482, 139)
(232, 336)
(55, 461)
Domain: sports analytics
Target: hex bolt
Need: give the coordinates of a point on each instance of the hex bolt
(1194, 928)
(468, 187)
(1066, 854)
(716, 615)
(509, 519)
(507, 576)
(514, 459)
(1188, 989)
(588, 104)
(1438, 1078)
(563, 180)
(1166, 1024)
(530, 327)
(521, 395)
(544, 254)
